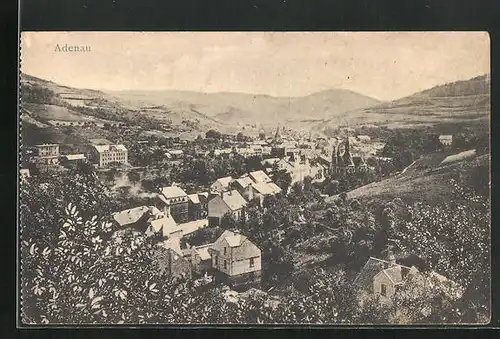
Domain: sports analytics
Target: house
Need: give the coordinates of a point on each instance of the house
(47, 154)
(236, 258)
(446, 140)
(172, 260)
(228, 202)
(199, 258)
(194, 207)
(104, 155)
(174, 201)
(137, 218)
(386, 277)
(72, 160)
(266, 150)
(24, 174)
(192, 226)
(176, 154)
(363, 138)
(381, 276)
(221, 185)
(259, 177)
(165, 227)
(47, 150)
(264, 189)
(244, 186)
(204, 197)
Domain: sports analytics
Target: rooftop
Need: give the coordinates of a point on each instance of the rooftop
(130, 216)
(266, 188)
(259, 176)
(194, 198)
(244, 181)
(234, 200)
(166, 224)
(234, 239)
(74, 156)
(224, 182)
(173, 192)
(108, 148)
(203, 251)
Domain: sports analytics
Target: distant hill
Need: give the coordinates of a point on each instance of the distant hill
(458, 102)
(240, 108)
(195, 111)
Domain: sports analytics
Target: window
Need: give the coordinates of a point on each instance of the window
(216, 260)
(225, 264)
(225, 251)
(252, 262)
(383, 290)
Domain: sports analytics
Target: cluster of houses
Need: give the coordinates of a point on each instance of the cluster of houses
(233, 258)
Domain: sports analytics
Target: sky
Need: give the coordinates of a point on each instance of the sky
(383, 65)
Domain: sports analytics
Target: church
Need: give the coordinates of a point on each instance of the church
(344, 162)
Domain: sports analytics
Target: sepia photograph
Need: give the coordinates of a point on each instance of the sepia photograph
(276, 178)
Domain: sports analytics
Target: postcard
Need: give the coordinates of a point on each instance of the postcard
(222, 178)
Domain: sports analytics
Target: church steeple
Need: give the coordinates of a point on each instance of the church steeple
(277, 135)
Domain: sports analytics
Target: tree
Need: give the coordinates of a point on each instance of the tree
(213, 134)
(240, 137)
(283, 179)
(228, 222)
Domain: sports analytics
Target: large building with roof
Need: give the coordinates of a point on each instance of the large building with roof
(47, 154)
(175, 202)
(105, 155)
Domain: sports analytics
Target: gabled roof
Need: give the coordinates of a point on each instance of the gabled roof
(234, 200)
(232, 238)
(244, 181)
(372, 267)
(445, 137)
(224, 182)
(203, 194)
(375, 266)
(396, 273)
(275, 187)
(192, 226)
(265, 188)
(173, 244)
(166, 224)
(259, 176)
(130, 216)
(203, 251)
(173, 192)
(195, 199)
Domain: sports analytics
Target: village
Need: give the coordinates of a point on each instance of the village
(233, 259)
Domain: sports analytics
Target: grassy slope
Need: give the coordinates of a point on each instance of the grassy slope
(426, 180)
(465, 102)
